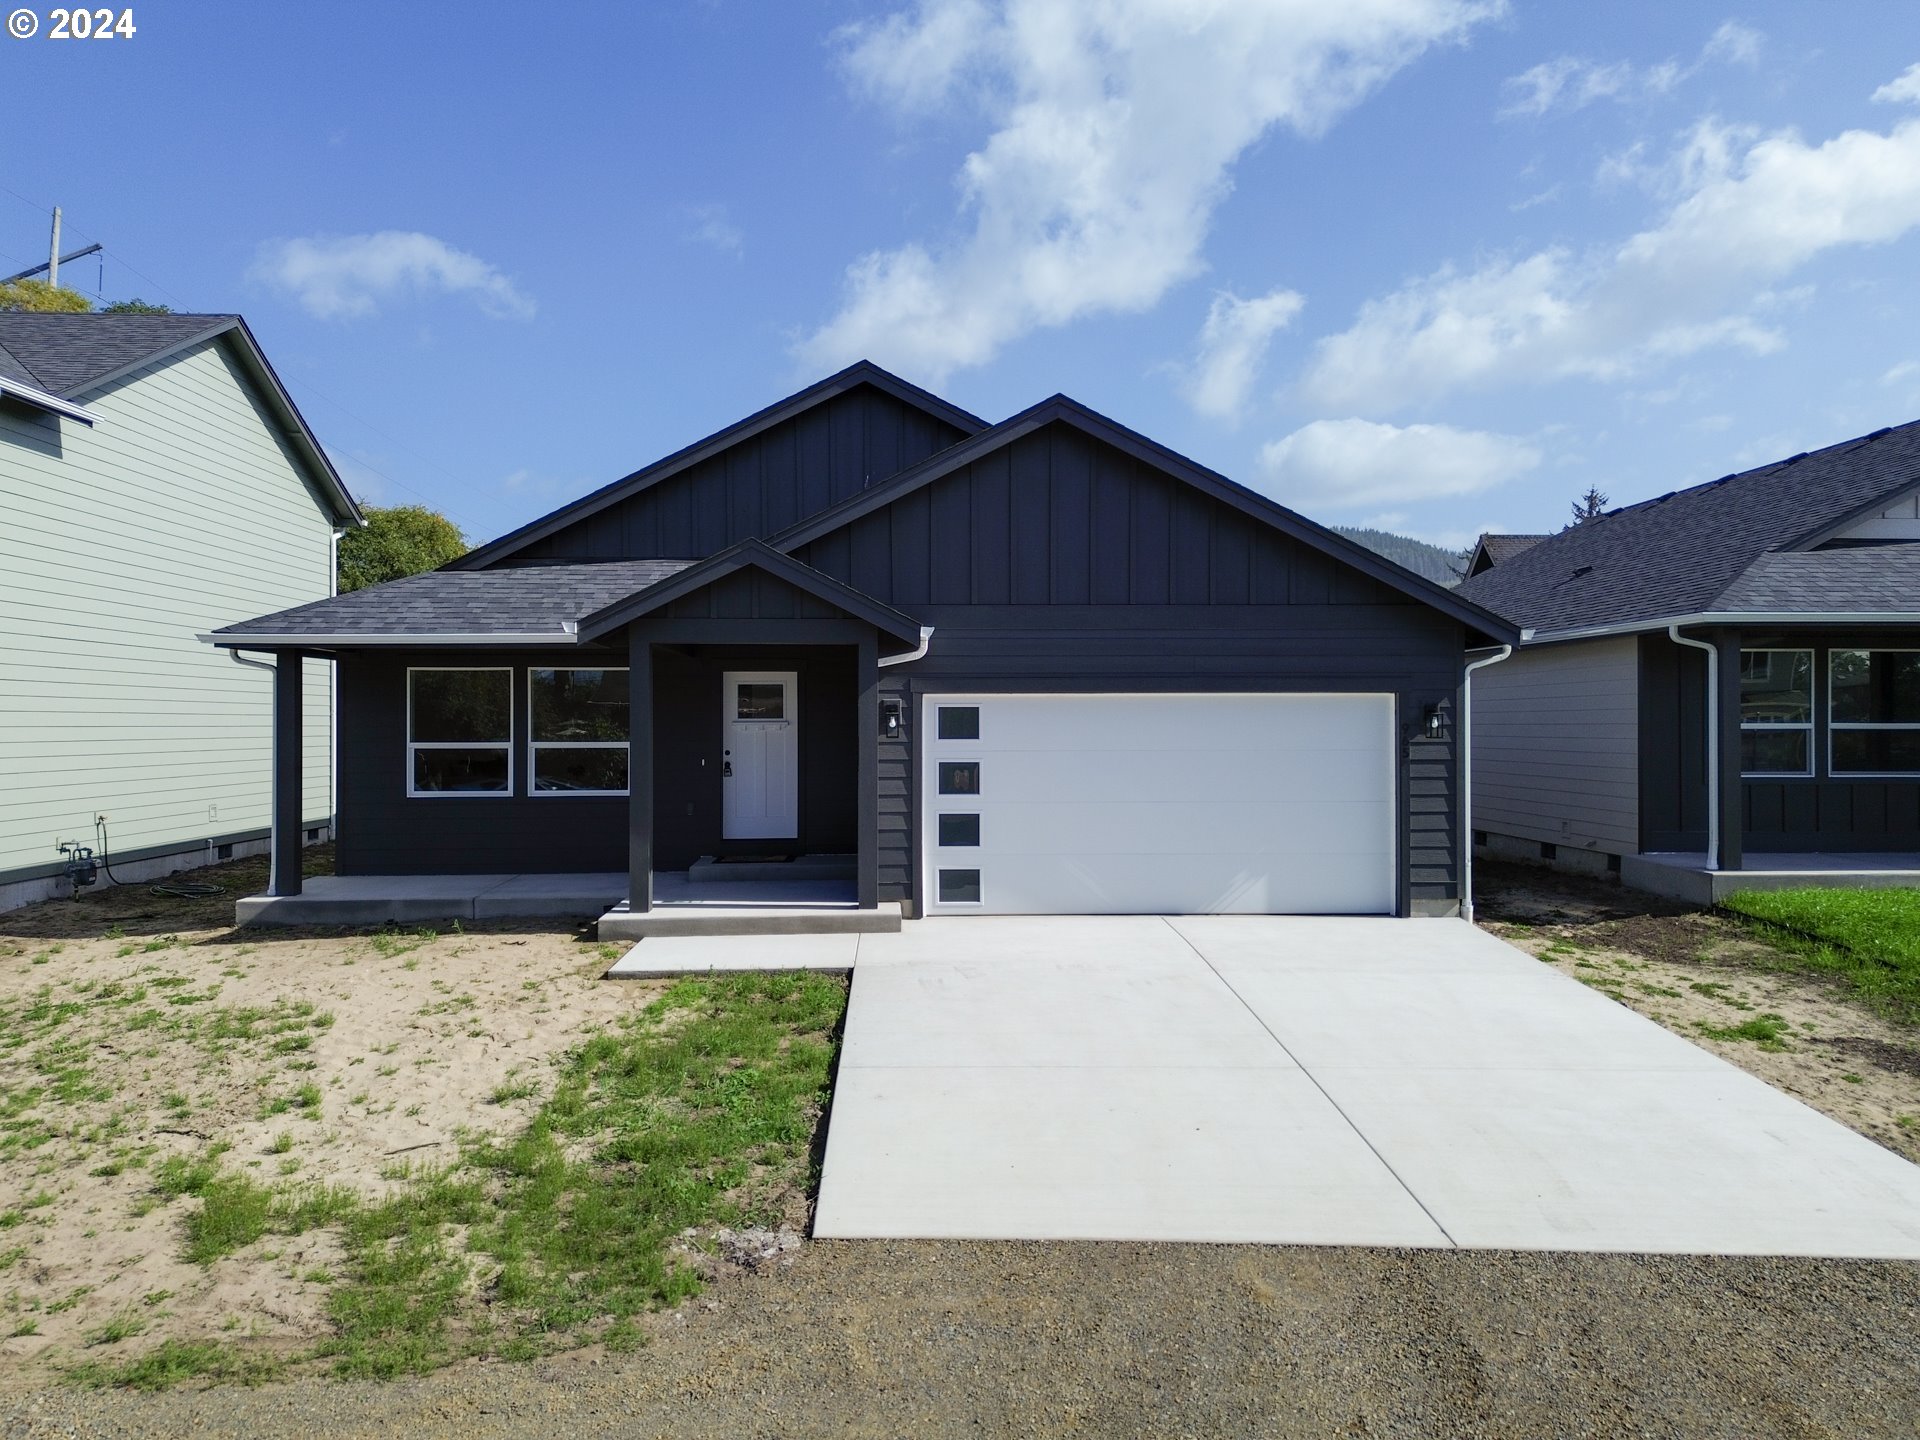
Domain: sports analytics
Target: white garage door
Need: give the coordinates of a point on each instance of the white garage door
(1158, 804)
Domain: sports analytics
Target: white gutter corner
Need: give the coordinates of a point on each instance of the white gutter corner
(926, 639)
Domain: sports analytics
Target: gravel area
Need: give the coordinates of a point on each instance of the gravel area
(942, 1339)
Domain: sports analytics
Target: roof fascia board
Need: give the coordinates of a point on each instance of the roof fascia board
(648, 476)
(294, 425)
(752, 554)
(1745, 619)
(1211, 483)
(1819, 536)
(259, 639)
(42, 400)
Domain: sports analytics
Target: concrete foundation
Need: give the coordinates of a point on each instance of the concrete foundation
(409, 899)
(1684, 876)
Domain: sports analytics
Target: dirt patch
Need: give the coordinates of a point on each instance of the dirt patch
(1710, 978)
(143, 1041)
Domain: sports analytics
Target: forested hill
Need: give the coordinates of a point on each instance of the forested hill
(1442, 566)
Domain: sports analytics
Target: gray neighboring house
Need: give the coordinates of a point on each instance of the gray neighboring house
(1717, 689)
(155, 481)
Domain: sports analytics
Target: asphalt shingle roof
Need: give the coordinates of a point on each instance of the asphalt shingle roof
(1859, 579)
(64, 354)
(528, 600)
(1502, 548)
(1686, 553)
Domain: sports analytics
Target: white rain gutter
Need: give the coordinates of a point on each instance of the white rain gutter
(1713, 739)
(1466, 772)
(926, 639)
(1732, 617)
(41, 400)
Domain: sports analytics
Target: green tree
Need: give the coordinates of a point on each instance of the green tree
(398, 540)
(135, 306)
(38, 295)
(1590, 506)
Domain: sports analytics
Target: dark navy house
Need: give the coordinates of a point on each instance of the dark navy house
(1045, 665)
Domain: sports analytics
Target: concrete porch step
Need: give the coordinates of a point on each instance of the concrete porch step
(707, 869)
(620, 923)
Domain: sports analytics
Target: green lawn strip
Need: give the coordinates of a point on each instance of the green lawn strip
(173, 1362)
(1870, 938)
(697, 1112)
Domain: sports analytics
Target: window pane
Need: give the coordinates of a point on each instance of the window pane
(761, 702)
(959, 777)
(579, 704)
(462, 705)
(1776, 686)
(1773, 752)
(1880, 686)
(959, 829)
(460, 771)
(959, 722)
(583, 769)
(1869, 752)
(959, 885)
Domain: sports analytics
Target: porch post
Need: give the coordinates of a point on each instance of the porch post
(639, 768)
(1732, 811)
(288, 720)
(867, 785)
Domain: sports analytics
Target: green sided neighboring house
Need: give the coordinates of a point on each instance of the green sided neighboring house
(156, 482)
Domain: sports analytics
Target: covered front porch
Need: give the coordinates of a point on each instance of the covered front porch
(720, 774)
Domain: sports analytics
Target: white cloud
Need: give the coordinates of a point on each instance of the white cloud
(712, 228)
(1233, 343)
(1751, 214)
(1114, 128)
(1905, 370)
(1568, 82)
(1734, 44)
(342, 276)
(1903, 90)
(1360, 462)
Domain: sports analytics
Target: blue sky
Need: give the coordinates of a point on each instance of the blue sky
(1436, 265)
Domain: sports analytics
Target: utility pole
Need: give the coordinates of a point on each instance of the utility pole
(53, 251)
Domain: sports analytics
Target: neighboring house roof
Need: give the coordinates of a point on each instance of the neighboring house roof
(1063, 409)
(861, 372)
(55, 361)
(1492, 550)
(524, 605)
(1716, 548)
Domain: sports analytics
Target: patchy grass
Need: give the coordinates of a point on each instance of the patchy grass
(174, 1362)
(1868, 938)
(699, 1111)
(1769, 1032)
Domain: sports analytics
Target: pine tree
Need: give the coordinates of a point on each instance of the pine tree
(1590, 506)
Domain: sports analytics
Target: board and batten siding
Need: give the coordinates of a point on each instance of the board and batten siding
(180, 512)
(1556, 749)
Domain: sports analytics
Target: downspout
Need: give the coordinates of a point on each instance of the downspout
(926, 639)
(1713, 739)
(1466, 773)
(333, 702)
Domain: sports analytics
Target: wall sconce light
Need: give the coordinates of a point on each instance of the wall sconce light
(890, 719)
(1433, 723)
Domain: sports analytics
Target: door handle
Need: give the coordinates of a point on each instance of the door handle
(726, 769)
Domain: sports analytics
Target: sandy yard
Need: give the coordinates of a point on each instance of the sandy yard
(1711, 979)
(141, 1036)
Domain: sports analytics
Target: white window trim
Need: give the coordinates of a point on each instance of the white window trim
(413, 745)
(1835, 726)
(534, 747)
(1806, 726)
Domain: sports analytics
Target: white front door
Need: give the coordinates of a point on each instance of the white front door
(760, 771)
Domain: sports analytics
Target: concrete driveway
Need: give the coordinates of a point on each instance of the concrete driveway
(1311, 1081)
